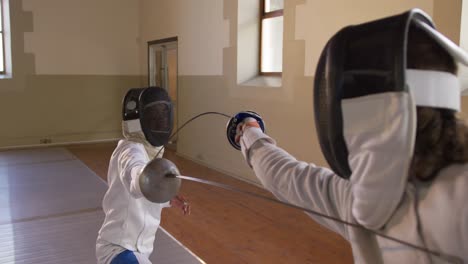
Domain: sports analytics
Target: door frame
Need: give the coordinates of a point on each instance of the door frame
(150, 58)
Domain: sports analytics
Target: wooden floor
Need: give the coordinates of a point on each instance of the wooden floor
(227, 227)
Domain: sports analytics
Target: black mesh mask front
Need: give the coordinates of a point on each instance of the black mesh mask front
(154, 109)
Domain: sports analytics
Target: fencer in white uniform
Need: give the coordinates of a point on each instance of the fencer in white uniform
(379, 130)
(128, 232)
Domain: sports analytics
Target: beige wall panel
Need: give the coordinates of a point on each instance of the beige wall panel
(200, 27)
(64, 108)
(447, 17)
(84, 37)
(317, 21)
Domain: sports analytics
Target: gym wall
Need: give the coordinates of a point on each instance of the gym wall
(209, 83)
(72, 62)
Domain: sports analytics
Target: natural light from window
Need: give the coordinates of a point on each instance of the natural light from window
(273, 5)
(272, 37)
(2, 46)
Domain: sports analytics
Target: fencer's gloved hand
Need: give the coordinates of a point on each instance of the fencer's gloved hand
(248, 122)
(239, 122)
(242, 124)
(180, 202)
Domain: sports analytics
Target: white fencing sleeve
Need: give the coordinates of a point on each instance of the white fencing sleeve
(132, 161)
(296, 182)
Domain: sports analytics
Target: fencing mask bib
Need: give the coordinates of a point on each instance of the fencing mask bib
(148, 116)
(365, 102)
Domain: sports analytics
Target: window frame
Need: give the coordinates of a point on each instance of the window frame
(266, 15)
(2, 33)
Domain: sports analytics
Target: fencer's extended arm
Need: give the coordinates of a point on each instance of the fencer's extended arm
(132, 161)
(296, 182)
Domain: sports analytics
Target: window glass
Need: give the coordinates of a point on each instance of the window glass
(2, 63)
(272, 45)
(1, 16)
(273, 5)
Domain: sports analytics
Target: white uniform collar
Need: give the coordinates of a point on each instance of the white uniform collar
(131, 130)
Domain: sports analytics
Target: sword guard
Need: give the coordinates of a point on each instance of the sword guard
(231, 126)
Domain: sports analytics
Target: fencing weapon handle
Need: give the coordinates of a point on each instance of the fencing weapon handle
(231, 126)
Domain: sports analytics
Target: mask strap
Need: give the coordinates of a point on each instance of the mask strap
(434, 88)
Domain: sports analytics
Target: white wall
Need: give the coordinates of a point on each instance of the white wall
(463, 71)
(317, 21)
(200, 27)
(464, 26)
(84, 37)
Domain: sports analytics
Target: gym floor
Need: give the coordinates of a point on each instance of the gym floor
(50, 211)
(233, 228)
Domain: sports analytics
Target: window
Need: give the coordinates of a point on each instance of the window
(2, 41)
(271, 37)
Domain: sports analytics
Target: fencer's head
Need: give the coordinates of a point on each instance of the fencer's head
(394, 55)
(147, 114)
(371, 80)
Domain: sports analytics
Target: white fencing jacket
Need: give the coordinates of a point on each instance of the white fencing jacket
(442, 204)
(131, 221)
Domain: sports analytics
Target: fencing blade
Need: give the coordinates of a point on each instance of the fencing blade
(446, 257)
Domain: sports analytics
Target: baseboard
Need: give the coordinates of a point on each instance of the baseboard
(185, 156)
(61, 144)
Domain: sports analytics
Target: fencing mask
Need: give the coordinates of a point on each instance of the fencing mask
(148, 116)
(365, 107)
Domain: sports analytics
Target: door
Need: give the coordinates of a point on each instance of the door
(162, 72)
